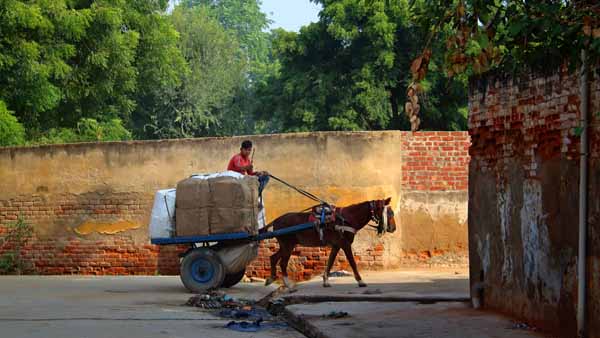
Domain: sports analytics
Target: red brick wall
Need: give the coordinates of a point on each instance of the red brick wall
(63, 252)
(435, 161)
(308, 262)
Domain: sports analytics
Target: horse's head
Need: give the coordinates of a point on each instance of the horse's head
(383, 215)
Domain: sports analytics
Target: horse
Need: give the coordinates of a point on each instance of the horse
(338, 234)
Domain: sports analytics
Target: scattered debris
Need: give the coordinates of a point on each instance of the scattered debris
(248, 314)
(254, 326)
(244, 326)
(336, 314)
(522, 326)
(216, 300)
(340, 273)
(373, 292)
(250, 279)
(276, 305)
(232, 308)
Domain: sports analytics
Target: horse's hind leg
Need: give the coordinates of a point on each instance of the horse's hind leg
(348, 251)
(332, 255)
(286, 253)
(274, 259)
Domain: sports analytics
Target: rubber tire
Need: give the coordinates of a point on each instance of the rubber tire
(198, 283)
(232, 279)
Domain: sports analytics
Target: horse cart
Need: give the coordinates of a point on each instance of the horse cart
(203, 266)
(213, 260)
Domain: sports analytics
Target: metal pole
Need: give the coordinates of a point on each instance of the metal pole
(583, 183)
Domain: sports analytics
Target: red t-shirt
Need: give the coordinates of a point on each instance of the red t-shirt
(237, 162)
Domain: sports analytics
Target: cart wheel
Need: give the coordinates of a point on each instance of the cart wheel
(232, 279)
(201, 269)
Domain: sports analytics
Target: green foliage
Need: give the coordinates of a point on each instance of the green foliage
(248, 25)
(62, 61)
(246, 21)
(12, 132)
(13, 241)
(349, 72)
(512, 35)
(82, 70)
(88, 130)
(216, 69)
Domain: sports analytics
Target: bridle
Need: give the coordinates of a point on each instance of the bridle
(381, 221)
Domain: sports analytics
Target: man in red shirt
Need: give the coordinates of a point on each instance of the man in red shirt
(242, 164)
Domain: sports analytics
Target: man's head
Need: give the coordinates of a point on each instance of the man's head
(246, 148)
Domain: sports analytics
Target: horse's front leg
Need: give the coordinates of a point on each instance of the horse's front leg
(348, 251)
(334, 251)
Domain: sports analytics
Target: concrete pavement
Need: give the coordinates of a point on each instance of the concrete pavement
(444, 283)
(413, 303)
(408, 303)
(115, 307)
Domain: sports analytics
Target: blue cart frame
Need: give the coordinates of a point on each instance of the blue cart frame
(232, 236)
(201, 269)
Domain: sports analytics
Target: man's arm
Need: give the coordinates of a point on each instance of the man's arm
(247, 168)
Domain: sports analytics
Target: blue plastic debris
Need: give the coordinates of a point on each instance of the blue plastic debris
(254, 326)
(252, 314)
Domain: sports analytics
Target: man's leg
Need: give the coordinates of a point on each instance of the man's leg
(262, 180)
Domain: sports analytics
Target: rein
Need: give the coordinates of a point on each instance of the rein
(381, 222)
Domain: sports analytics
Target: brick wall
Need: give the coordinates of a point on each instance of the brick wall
(308, 262)
(524, 196)
(64, 252)
(90, 203)
(435, 161)
(434, 177)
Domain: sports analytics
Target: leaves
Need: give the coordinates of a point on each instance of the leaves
(348, 71)
(12, 132)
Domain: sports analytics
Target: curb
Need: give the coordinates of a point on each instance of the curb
(290, 300)
(278, 307)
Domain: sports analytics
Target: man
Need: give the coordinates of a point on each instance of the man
(242, 163)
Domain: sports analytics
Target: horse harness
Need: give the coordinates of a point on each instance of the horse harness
(324, 215)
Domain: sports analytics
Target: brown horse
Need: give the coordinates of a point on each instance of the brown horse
(338, 235)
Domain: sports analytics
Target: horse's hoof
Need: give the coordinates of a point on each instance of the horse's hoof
(269, 281)
(326, 285)
(362, 284)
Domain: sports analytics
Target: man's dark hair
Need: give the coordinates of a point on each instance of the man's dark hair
(247, 144)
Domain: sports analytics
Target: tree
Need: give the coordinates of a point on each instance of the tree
(484, 35)
(245, 19)
(87, 130)
(63, 61)
(481, 36)
(160, 64)
(215, 71)
(349, 72)
(12, 132)
(36, 42)
(248, 24)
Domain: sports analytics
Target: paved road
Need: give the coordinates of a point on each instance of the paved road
(148, 307)
(98, 307)
(374, 312)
